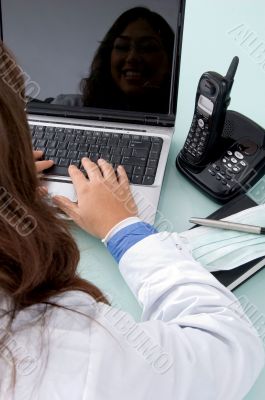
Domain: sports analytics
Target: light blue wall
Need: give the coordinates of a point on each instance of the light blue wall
(211, 39)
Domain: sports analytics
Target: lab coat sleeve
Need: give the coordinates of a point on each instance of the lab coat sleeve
(212, 350)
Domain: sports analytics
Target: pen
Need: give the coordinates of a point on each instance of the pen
(232, 226)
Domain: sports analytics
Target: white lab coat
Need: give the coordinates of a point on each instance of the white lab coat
(192, 344)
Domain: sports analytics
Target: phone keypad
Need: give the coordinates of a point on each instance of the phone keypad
(196, 141)
(227, 169)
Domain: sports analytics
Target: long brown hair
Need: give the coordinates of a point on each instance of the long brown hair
(38, 256)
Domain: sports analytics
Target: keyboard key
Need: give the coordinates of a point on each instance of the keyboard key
(106, 157)
(75, 162)
(62, 145)
(106, 135)
(48, 136)
(70, 138)
(73, 154)
(137, 179)
(72, 146)
(140, 153)
(102, 141)
(61, 153)
(138, 170)
(59, 129)
(91, 140)
(146, 138)
(50, 129)
(154, 155)
(115, 159)
(94, 157)
(82, 154)
(54, 159)
(41, 143)
(156, 139)
(68, 131)
(116, 150)
(128, 168)
(40, 148)
(124, 142)
(94, 148)
(140, 145)
(113, 141)
(104, 149)
(150, 171)
(137, 137)
(39, 128)
(60, 136)
(57, 170)
(97, 134)
(156, 147)
(134, 160)
(64, 162)
(51, 144)
(127, 151)
(80, 132)
(83, 147)
(38, 135)
(152, 163)
(51, 152)
(148, 180)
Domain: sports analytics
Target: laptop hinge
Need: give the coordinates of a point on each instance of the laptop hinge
(153, 120)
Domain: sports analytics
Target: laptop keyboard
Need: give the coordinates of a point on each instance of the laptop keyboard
(138, 154)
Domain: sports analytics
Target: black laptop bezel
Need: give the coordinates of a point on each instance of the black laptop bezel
(163, 120)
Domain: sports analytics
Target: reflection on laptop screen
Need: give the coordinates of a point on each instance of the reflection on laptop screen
(78, 55)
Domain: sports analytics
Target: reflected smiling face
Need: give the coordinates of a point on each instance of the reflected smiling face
(138, 59)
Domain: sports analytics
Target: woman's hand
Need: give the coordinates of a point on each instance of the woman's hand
(43, 164)
(103, 199)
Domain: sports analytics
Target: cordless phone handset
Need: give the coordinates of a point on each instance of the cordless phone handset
(212, 100)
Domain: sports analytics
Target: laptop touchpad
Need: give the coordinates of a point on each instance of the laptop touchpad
(61, 189)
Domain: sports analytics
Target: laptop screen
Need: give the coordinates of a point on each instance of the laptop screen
(101, 55)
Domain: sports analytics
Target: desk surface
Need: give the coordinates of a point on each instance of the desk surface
(179, 199)
(98, 266)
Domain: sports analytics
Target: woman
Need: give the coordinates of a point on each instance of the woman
(59, 338)
(132, 67)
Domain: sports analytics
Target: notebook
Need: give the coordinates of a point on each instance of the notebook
(235, 277)
(130, 120)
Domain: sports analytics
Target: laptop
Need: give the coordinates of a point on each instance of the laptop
(55, 43)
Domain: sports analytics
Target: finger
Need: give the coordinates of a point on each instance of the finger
(107, 170)
(78, 179)
(92, 170)
(42, 165)
(67, 206)
(122, 176)
(37, 154)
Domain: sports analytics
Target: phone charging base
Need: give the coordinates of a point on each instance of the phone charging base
(239, 162)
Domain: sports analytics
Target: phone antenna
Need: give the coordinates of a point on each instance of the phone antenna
(232, 69)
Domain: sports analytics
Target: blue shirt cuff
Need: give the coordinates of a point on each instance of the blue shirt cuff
(127, 237)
